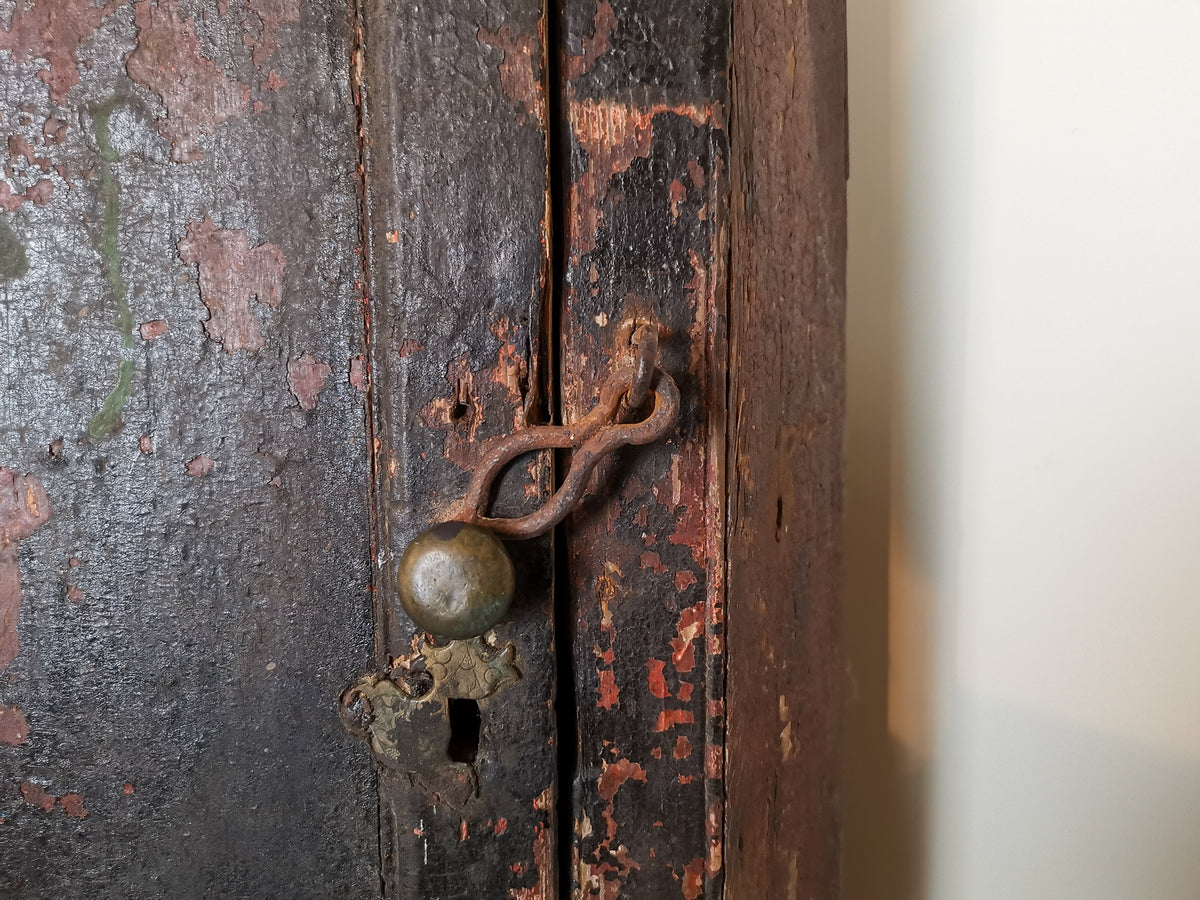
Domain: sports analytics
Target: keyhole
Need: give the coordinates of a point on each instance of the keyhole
(464, 730)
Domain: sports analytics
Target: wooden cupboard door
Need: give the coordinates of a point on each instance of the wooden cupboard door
(271, 273)
(179, 330)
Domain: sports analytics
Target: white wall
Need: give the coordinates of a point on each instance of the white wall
(1025, 226)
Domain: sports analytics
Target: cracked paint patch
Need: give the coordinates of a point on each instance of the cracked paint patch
(692, 882)
(54, 30)
(14, 728)
(25, 166)
(543, 855)
(603, 874)
(306, 377)
(231, 272)
(152, 330)
(72, 805)
(520, 77)
(37, 796)
(613, 135)
(603, 25)
(24, 508)
(197, 94)
(39, 195)
(200, 466)
(358, 373)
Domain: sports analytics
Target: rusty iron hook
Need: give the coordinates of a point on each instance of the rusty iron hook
(597, 434)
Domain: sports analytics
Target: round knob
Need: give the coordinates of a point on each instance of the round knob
(456, 580)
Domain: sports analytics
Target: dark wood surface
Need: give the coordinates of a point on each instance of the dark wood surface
(177, 270)
(645, 102)
(456, 174)
(270, 271)
(787, 407)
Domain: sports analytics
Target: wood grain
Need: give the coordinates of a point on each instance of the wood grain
(787, 408)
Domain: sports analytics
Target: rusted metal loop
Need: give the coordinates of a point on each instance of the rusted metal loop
(592, 437)
(646, 360)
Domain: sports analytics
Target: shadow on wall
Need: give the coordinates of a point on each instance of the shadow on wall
(884, 819)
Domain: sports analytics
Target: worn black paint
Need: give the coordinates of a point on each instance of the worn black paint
(456, 174)
(217, 618)
(645, 553)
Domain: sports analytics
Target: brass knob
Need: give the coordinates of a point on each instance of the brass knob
(456, 580)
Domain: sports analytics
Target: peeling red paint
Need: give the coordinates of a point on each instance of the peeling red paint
(714, 755)
(543, 859)
(146, 444)
(14, 728)
(72, 805)
(500, 827)
(655, 679)
(603, 25)
(231, 272)
(463, 833)
(688, 489)
(691, 626)
(685, 691)
(20, 148)
(199, 466)
(128, 789)
(74, 593)
(39, 195)
(715, 824)
(153, 329)
(54, 131)
(683, 748)
(24, 508)
(677, 194)
(519, 77)
(198, 95)
(607, 689)
(54, 30)
(651, 560)
(684, 580)
(669, 718)
(306, 377)
(616, 774)
(693, 879)
(35, 795)
(358, 373)
(613, 135)
(408, 347)
(274, 82)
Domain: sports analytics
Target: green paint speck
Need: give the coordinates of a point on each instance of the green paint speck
(13, 261)
(108, 420)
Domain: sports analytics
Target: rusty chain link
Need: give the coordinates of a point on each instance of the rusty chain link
(597, 434)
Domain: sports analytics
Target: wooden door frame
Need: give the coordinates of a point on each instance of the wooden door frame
(785, 665)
